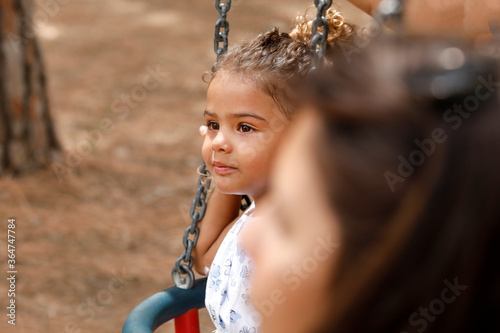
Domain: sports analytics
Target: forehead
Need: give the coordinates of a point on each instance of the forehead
(233, 93)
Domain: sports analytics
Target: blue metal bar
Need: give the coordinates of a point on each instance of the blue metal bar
(165, 306)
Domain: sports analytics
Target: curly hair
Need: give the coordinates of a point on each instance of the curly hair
(277, 61)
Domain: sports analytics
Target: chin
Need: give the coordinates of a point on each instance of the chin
(226, 187)
(226, 191)
(231, 186)
(231, 190)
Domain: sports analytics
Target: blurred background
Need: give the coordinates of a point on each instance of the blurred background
(98, 231)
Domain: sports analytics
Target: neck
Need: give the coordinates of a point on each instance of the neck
(256, 199)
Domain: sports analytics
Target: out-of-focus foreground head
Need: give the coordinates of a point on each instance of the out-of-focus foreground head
(383, 213)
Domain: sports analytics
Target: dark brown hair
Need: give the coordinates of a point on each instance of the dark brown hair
(416, 186)
(276, 62)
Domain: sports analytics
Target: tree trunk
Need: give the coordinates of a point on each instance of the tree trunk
(27, 137)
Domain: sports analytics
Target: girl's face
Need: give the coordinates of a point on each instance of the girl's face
(295, 241)
(244, 125)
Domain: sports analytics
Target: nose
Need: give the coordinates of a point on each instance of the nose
(221, 144)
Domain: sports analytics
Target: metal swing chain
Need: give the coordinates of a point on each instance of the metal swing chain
(319, 39)
(182, 273)
(222, 23)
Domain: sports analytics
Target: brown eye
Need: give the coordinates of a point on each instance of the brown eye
(212, 125)
(245, 128)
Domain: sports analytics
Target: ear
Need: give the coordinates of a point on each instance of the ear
(203, 130)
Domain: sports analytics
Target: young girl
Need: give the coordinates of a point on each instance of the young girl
(250, 100)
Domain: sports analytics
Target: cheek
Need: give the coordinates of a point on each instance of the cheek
(255, 156)
(247, 152)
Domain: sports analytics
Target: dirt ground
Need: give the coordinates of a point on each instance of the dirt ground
(100, 233)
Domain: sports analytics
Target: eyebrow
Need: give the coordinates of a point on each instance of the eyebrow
(236, 115)
(253, 115)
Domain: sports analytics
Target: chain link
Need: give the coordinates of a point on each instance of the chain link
(319, 39)
(182, 273)
(245, 202)
(222, 23)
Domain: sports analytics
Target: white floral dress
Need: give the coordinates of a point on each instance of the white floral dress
(227, 290)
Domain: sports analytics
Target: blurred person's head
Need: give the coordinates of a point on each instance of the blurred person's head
(383, 211)
(252, 97)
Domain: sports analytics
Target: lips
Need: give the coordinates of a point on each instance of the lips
(222, 169)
